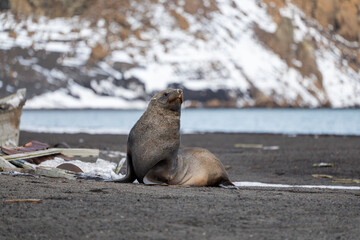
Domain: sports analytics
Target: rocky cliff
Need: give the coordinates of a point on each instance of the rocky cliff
(240, 53)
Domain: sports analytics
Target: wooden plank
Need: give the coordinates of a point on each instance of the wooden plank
(33, 154)
(71, 152)
(20, 170)
(21, 163)
(246, 145)
(45, 172)
(80, 152)
(55, 173)
(30, 200)
(10, 114)
(5, 164)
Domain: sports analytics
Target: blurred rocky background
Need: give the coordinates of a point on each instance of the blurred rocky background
(230, 53)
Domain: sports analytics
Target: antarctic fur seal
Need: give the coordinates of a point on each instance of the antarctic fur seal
(153, 154)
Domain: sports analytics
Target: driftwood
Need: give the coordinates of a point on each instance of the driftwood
(10, 114)
(21, 164)
(16, 169)
(247, 145)
(30, 200)
(71, 152)
(45, 172)
(55, 173)
(80, 152)
(256, 146)
(5, 164)
(16, 162)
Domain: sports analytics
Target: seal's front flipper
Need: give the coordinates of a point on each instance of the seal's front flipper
(157, 174)
(227, 184)
(150, 181)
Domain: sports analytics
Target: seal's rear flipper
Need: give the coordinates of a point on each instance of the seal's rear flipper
(227, 184)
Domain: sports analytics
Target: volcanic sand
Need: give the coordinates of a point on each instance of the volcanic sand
(85, 209)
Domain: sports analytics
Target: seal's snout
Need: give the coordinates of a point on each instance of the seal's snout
(170, 99)
(176, 95)
(180, 92)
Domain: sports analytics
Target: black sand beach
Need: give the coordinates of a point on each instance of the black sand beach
(94, 210)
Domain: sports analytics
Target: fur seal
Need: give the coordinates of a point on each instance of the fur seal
(153, 154)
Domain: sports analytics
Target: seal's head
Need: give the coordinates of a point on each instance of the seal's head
(169, 99)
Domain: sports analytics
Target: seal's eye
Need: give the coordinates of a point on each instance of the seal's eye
(166, 94)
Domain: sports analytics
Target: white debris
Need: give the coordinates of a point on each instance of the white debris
(100, 168)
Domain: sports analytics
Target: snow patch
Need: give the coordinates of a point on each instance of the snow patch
(79, 97)
(219, 51)
(101, 168)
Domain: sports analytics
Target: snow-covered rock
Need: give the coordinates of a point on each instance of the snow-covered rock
(222, 53)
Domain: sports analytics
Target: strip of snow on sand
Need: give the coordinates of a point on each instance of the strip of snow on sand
(270, 185)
